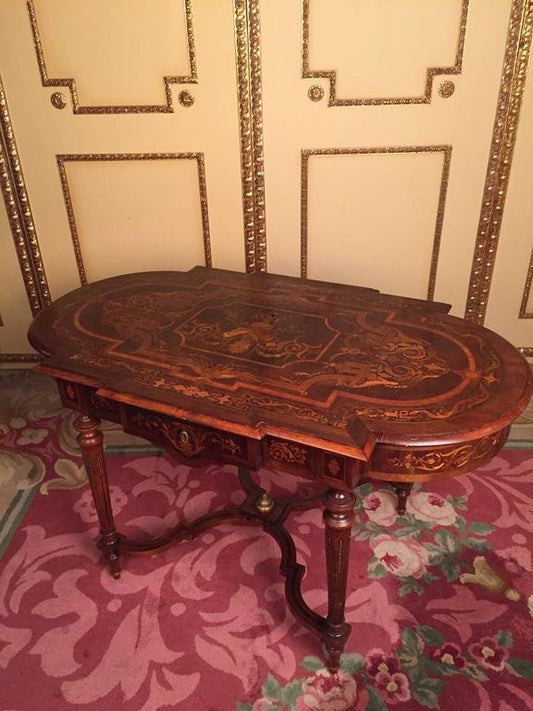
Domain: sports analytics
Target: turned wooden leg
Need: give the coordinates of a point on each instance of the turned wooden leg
(402, 489)
(339, 519)
(90, 440)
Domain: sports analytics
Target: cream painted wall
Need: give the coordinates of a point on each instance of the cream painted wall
(371, 123)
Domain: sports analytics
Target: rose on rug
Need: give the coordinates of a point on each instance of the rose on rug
(440, 599)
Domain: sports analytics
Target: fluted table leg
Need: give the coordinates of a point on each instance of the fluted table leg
(90, 439)
(339, 519)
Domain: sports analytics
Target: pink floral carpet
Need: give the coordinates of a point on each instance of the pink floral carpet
(441, 599)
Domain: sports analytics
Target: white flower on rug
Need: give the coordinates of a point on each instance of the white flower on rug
(380, 507)
(430, 507)
(403, 557)
(328, 692)
(31, 436)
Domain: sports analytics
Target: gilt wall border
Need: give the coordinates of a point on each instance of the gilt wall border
(248, 50)
(70, 83)
(446, 150)
(19, 358)
(523, 312)
(20, 214)
(431, 72)
(503, 141)
(95, 157)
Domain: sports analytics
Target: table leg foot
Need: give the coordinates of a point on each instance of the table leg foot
(109, 544)
(338, 519)
(334, 643)
(402, 489)
(90, 440)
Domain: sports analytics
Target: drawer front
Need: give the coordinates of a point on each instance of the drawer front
(85, 399)
(426, 463)
(189, 440)
(310, 462)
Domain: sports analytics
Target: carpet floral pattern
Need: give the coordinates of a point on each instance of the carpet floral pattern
(440, 599)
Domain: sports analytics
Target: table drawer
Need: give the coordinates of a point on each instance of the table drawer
(189, 440)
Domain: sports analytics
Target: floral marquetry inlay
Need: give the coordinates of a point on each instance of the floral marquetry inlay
(270, 354)
(287, 452)
(444, 459)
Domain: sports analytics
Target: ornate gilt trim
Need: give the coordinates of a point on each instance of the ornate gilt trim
(62, 159)
(70, 83)
(523, 312)
(248, 49)
(19, 213)
(431, 72)
(511, 91)
(20, 358)
(527, 351)
(446, 150)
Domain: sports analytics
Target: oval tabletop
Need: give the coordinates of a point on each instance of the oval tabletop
(338, 366)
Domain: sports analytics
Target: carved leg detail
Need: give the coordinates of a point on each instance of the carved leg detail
(90, 440)
(402, 489)
(339, 519)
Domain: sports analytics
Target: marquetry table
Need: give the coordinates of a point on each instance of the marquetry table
(335, 383)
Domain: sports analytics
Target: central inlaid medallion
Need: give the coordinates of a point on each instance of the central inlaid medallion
(262, 335)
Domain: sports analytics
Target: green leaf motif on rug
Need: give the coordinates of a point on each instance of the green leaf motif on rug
(312, 663)
(271, 689)
(521, 667)
(352, 663)
(375, 702)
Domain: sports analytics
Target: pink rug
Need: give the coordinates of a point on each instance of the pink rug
(441, 600)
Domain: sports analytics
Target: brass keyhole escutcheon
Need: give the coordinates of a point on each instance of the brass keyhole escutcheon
(184, 437)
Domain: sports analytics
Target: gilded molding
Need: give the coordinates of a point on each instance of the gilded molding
(20, 357)
(446, 150)
(70, 83)
(248, 49)
(431, 72)
(510, 95)
(523, 312)
(527, 352)
(62, 159)
(19, 213)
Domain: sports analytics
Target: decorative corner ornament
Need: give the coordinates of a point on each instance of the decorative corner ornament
(446, 89)
(186, 98)
(315, 93)
(58, 100)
